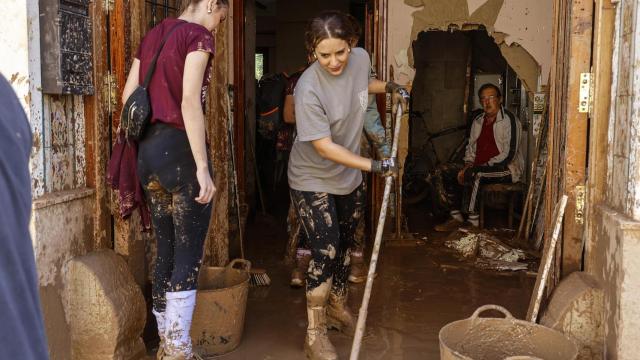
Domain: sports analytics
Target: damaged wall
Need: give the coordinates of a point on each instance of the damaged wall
(22, 69)
(62, 229)
(62, 221)
(613, 243)
(521, 29)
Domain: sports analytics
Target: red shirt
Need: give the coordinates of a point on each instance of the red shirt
(486, 147)
(165, 89)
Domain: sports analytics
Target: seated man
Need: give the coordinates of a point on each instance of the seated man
(492, 155)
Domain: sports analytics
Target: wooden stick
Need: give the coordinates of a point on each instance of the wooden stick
(362, 316)
(545, 264)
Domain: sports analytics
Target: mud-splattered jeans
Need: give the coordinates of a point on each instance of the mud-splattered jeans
(168, 175)
(330, 223)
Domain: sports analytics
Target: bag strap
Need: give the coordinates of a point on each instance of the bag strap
(152, 66)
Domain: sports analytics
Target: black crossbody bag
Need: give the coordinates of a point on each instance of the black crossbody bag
(137, 109)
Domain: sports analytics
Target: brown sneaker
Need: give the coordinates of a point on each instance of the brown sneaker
(450, 225)
(339, 316)
(299, 273)
(359, 268)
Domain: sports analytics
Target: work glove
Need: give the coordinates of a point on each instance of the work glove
(399, 94)
(385, 167)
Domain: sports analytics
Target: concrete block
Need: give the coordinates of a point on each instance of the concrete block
(104, 307)
(577, 310)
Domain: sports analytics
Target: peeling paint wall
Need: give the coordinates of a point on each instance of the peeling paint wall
(62, 217)
(21, 40)
(521, 29)
(64, 149)
(61, 229)
(614, 246)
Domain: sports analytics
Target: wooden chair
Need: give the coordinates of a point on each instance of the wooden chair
(511, 189)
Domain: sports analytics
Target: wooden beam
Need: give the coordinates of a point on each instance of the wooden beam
(575, 150)
(604, 27)
(97, 146)
(238, 82)
(217, 123)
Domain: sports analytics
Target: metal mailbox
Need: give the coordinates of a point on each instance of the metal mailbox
(66, 47)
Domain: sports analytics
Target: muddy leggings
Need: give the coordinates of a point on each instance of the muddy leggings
(168, 175)
(330, 223)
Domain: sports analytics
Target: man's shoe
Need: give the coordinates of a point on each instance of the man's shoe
(359, 268)
(449, 225)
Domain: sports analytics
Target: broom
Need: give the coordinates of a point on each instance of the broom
(257, 277)
(362, 316)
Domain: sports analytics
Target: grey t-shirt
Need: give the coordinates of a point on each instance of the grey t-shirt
(328, 105)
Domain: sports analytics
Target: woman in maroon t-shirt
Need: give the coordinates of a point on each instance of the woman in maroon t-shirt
(173, 165)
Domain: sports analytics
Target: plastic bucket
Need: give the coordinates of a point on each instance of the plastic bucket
(218, 319)
(506, 338)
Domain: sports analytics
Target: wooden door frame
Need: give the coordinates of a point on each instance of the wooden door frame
(603, 45)
(238, 90)
(97, 140)
(572, 46)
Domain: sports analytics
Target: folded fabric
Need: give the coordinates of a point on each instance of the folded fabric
(122, 175)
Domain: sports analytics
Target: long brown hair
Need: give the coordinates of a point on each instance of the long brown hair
(331, 24)
(184, 4)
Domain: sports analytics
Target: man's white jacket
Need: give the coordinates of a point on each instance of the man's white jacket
(507, 141)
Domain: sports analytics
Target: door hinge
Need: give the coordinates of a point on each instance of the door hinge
(110, 92)
(108, 5)
(586, 93)
(580, 202)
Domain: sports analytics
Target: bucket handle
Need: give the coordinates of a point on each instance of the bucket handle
(245, 264)
(484, 308)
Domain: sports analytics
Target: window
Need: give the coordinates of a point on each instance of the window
(259, 66)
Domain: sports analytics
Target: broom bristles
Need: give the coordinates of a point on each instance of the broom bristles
(259, 277)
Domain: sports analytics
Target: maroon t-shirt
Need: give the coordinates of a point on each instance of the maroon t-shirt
(486, 147)
(165, 89)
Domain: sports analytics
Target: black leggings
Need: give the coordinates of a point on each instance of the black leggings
(168, 175)
(330, 223)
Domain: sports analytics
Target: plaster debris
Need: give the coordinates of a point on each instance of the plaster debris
(467, 245)
(491, 264)
(489, 252)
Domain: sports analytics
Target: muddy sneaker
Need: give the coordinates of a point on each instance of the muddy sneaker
(450, 225)
(359, 268)
(299, 273)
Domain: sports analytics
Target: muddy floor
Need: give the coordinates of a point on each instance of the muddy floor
(418, 290)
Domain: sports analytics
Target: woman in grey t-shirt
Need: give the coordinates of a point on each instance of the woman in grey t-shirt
(324, 172)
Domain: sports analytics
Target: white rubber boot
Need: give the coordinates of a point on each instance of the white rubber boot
(180, 305)
(160, 320)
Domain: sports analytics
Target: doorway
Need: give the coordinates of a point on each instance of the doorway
(450, 67)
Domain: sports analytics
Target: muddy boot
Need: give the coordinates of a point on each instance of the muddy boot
(317, 345)
(180, 306)
(299, 273)
(452, 224)
(339, 316)
(359, 268)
